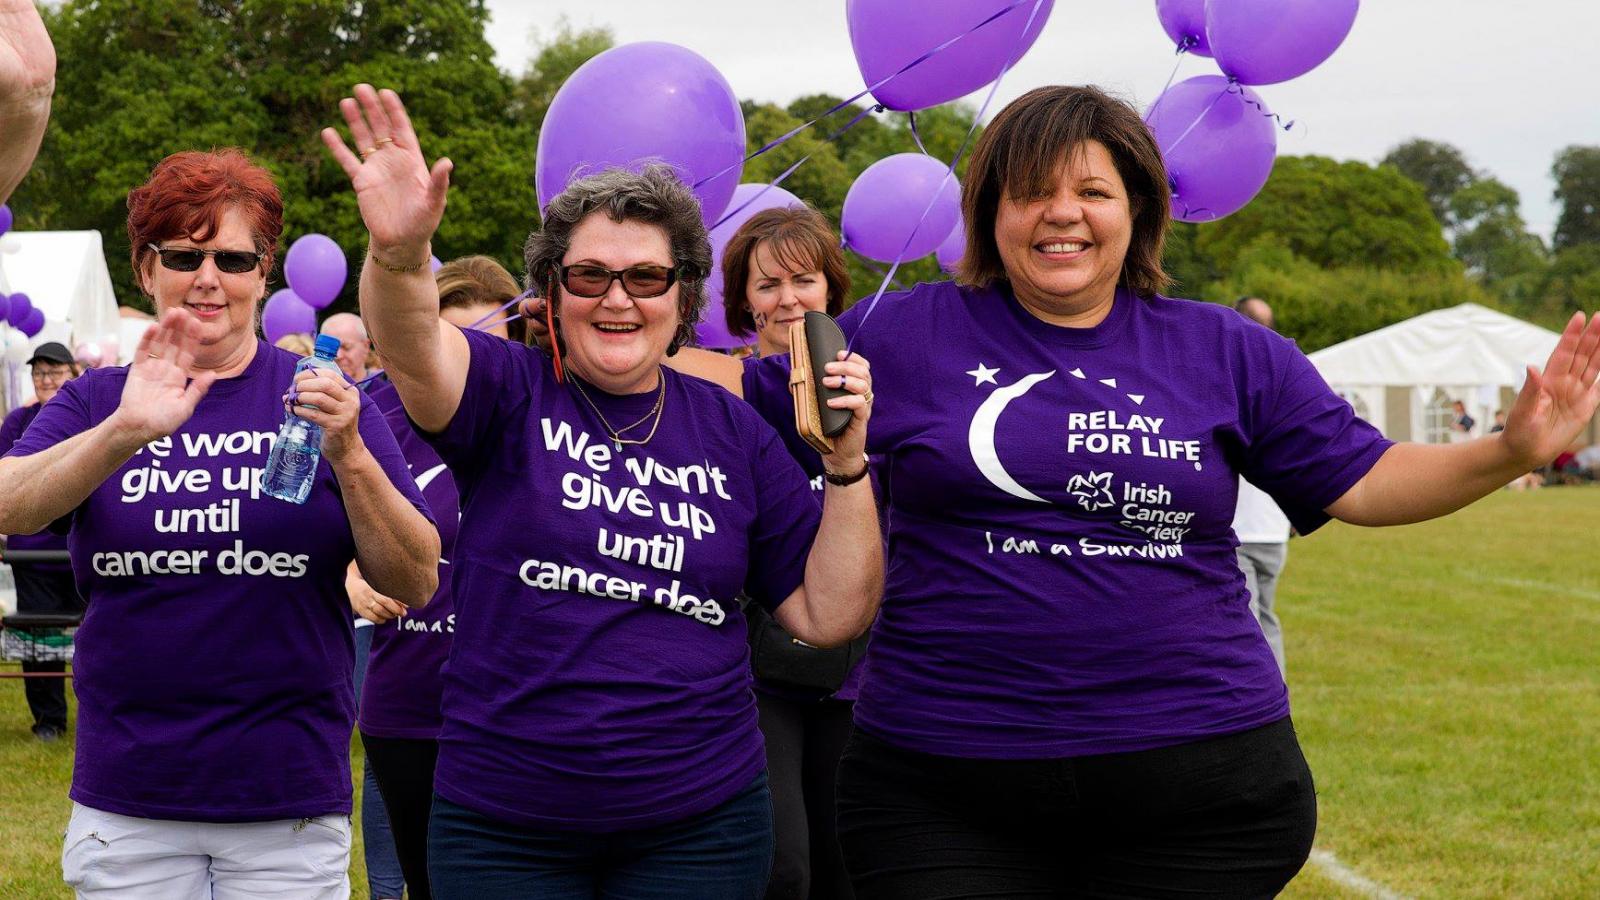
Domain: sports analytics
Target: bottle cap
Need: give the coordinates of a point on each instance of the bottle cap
(327, 345)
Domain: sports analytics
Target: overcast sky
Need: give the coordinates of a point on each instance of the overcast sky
(1511, 84)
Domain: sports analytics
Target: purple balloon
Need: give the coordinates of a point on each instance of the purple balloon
(642, 103)
(887, 202)
(1218, 143)
(20, 307)
(315, 268)
(285, 313)
(888, 35)
(1268, 41)
(1185, 22)
(434, 264)
(33, 323)
(5, 218)
(5, 309)
(748, 199)
(954, 247)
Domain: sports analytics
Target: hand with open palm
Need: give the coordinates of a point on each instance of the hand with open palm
(27, 79)
(400, 198)
(159, 395)
(1557, 404)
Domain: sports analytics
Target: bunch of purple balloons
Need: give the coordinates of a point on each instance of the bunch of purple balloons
(316, 270)
(1216, 135)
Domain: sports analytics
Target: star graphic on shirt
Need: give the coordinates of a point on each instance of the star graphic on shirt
(984, 374)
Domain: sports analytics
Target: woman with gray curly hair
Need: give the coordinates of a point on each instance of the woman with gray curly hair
(600, 735)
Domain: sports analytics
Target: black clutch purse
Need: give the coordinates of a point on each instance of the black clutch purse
(813, 343)
(777, 657)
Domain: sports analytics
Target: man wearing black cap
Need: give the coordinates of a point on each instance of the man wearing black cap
(43, 587)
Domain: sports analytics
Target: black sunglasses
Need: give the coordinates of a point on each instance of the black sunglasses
(640, 282)
(188, 259)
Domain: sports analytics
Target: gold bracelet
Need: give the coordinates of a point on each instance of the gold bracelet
(372, 254)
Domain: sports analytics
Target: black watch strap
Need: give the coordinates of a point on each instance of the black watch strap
(846, 480)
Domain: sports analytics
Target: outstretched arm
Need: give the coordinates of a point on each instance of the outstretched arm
(1415, 482)
(27, 80)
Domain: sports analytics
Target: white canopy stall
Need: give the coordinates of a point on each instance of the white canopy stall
(64, 274)
(1405, 378)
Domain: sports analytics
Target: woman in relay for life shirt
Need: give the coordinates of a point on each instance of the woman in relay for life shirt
(1067, 693)
(214, 664)
(600, 734)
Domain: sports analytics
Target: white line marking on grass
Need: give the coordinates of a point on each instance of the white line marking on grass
(1350, 878)
(1545, 587)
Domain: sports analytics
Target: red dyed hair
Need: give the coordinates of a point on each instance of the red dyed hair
(187, 194)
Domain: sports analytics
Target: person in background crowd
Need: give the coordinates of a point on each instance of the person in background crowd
(213, 665)
(1067, 694)
(1499, 422)
(400, 717)
(298, 344)
(354, 345)
(43, 587)
(1262, 529)
(600, 735)
(1461, 425)
(27, 81)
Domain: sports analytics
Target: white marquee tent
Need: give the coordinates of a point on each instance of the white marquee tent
(1404, 378)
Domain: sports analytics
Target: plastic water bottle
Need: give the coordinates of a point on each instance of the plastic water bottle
(292, 464)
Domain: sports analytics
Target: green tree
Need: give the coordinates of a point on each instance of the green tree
(152, 77)
(1492, 240)
(559, 56)
(1440, 168)
(1577, 176)
(1334, 214)
(1571, 283)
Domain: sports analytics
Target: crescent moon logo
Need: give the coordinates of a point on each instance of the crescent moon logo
(980, 436)
(428, 477)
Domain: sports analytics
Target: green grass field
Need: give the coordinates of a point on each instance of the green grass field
(1446, 687)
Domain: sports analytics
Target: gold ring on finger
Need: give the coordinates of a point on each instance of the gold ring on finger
(867, 397)
(384, 140)
(368, 151)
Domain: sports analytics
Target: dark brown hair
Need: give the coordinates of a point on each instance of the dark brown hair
(1021, 153)
(472, 281)
(801, 240)
(187, 195)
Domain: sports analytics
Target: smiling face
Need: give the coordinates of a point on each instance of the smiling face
(779, 292)
(1063, 249)
(616, 341)
(223, 303)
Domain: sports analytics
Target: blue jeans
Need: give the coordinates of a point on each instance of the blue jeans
(383, 863)
(723, 854)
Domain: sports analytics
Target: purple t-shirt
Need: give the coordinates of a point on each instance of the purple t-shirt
(599, 679)
(16, 422)
(1062, 578)
(214, 665)
(400, 697)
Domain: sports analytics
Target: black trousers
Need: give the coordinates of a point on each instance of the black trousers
(1228, 817)
(403, 768)
(46, 592)
(804, 742)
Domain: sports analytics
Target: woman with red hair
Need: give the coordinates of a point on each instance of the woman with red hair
(214, 664)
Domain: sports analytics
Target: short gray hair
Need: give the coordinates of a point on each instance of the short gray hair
(654, 196)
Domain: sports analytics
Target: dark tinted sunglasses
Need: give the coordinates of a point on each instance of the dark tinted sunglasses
(187, 259)
(640, 282)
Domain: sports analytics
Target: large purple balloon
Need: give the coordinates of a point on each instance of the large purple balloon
(712, 329)
(5, 218)
(887, 35)
(33, 323)
(954, 247)
(1185, 22)
(285, 313)
(1268, 41)
(5, 309)
(1218, 143)
(19, 308)
(315, 269)
(643, 103)
(887, 201)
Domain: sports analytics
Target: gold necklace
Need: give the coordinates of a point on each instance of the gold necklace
(617, 439)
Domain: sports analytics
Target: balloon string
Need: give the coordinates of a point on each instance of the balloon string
(949, 171)
(1235, 88)
(875, 108)
(915, 135)
(877, 269)
(1182, 49)
(1192, 125)
(878, 84)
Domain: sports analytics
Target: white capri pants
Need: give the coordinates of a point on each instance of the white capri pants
(105, 855)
